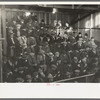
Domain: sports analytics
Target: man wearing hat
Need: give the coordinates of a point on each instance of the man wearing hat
(11, 43)
(23, 42)
(46, 47)
(64, 46)
(50, 77)
(28, 78)
(41, 57)
(78, 36)
(57, 58)
(35, 77)
(77, 72)
(20, 73)
(17, 31)
(31, 44)
(32, 60)
(85, 39)
(50, 59)
(67, 75)
(19, 80)
(75, 63)
(42, 24)
(84, 65)
(42, 29)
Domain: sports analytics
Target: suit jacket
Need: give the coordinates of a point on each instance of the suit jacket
(32, 60)
(11, 42)
(17, 32)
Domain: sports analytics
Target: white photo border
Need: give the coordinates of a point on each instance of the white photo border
(42, 90)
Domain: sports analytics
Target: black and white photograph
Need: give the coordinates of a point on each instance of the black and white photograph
(50, 43)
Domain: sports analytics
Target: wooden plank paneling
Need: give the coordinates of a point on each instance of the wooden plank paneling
(1, 77)
(48, 17)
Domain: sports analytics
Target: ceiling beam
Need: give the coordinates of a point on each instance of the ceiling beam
(80, 7)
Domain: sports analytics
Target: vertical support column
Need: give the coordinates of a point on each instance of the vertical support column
(45, 18)
(50, 18)
(1, 73)
(91, 21)
(78, 23)
(56, 16)
(3, 21)
(39, 17)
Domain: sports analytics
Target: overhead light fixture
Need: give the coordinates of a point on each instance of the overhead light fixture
(27, 14)
(54, 10)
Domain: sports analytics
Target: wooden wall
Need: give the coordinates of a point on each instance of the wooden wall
(90, 25)
(47, 16)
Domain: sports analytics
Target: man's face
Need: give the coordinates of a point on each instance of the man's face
(80, 39)
(65, 43)
(30, 24)
(69, 65)
(21, 71)
(29, 31)
(22, 21)
(80, 35)
(14, 22)
(79, 42)
(77, 73)
(10, 31)
(29, 80)
(18, 26)
(85, 36)
(59, 61)
(42, 22)
(36, 76)
(75, 59)
(94, 50)
(35, 21)
(92, 40)
(87, 49)
(68, 75)
(50, 79)
(84, 60)
(40, 47)
(57, 54)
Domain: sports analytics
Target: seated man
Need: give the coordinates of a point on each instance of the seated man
(32, 60)
(41, 57)
(92, 43)
(23, 42)
(31, 43)
(46, 47)
(11, 43)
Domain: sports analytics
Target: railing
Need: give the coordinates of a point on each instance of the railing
(85, 78)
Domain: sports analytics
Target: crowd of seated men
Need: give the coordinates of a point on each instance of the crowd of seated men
(36, 53)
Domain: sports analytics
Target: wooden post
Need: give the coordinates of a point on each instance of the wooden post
(57, 16)
(91, 19)
(45, 18)
(50, 18)
(78, 23)
(3, 21)
(1, 73)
